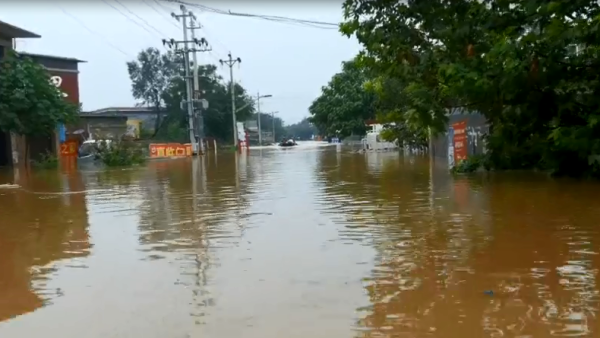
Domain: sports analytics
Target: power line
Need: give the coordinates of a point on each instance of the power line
(273, 18)
(129, 18)
(93, 32)
(140, 18)
(161, 14)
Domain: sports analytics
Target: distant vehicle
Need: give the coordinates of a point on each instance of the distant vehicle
(288, 143)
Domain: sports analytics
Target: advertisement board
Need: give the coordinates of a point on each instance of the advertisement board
(460, 141)
(166, 150)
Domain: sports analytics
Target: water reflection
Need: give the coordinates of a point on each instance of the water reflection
(442, 242)
(42, 223)
(309, 242)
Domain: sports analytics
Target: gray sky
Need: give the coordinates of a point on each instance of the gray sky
(288, 61)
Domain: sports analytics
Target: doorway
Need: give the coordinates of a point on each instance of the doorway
(5, 150)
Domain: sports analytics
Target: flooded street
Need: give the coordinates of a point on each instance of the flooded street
(307, 242)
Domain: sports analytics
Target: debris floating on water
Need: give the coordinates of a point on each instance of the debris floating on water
(9, 186)
(489, 292)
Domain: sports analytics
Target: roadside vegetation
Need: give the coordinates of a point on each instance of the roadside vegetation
(30, 106)
(121, 153)
(530, 67)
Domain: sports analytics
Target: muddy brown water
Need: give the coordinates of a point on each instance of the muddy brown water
(308, 242)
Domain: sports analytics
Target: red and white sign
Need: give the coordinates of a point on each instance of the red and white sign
(460, 141)
(68, 83)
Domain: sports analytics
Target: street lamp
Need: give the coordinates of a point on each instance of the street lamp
(258, 97)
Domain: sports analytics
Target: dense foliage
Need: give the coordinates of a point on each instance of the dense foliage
(158, 80)
(303, 129)
(529, 66)
(29, 104)
(345, 103)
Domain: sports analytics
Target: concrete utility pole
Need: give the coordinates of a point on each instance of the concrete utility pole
(258, 97)
(230, 62)
(197, 92)
(273, 119)
(172, 43)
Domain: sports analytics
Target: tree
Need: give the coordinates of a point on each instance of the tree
(152, 74)
(344, 104)
(512, 61)
(303, 129)
(29, 104)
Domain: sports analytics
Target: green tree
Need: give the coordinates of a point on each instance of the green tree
(303, 129)
(512, 61)
(152, 74)
(344, 104)
(29, 104)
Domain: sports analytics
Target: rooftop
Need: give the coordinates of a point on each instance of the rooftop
(121, 110)
(15, 32)
(51, 57)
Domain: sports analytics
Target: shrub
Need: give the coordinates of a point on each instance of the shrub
(121, 153)
(46, 161)
(469, 165)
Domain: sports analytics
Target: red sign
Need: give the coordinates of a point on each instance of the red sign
(159, 150)
(460, 141)
(69, 148)
(68, 83)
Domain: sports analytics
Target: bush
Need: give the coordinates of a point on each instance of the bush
(46, 161)
(469, 165)
(121, 153)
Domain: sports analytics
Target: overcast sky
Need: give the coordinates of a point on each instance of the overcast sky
(288, 61)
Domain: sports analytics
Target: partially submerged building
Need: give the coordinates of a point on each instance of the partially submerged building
(64, 72)
(8, 34)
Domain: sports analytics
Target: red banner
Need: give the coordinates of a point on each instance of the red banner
(161, 150)
(460, 141)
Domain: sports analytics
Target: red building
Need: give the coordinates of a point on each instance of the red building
(64, 73)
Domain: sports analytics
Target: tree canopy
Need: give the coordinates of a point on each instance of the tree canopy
(158, 80)
(529, 66)
(152, 74)
(29, 104)
(344, 104)
(303, 129)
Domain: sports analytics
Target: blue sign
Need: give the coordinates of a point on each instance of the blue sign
(62, 133)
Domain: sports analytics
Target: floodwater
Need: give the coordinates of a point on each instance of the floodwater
(305, 242)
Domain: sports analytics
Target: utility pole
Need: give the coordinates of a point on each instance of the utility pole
(172, 43)
(273, 119)
(196, 88)
(258, 97)
(258, 117)
(230, 62)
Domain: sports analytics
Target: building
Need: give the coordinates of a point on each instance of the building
(143, 117)
(64, 74)
(8, 34)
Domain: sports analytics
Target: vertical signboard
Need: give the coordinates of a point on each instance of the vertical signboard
(460, 141)
(450, 147)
